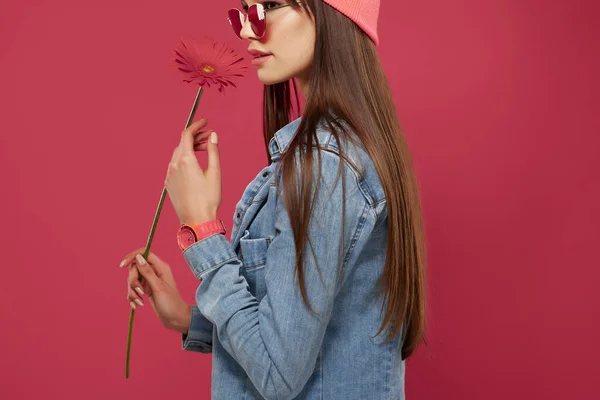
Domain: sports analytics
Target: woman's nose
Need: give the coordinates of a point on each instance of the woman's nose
(247, 32)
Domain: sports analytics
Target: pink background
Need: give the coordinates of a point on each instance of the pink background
(499, 102)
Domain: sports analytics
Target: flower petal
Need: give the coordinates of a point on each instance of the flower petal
(193, 56)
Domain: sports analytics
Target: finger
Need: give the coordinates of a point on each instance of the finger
(133, 297)
(187, 136)
(201, 147)
(161, 268)
(134, 282)
(147, 272)
(134, 286)
(152, 258)
(147, 289)
(202, 137)
(213, 155)
(131, 256)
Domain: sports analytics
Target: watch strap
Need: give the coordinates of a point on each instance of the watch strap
(208, 228)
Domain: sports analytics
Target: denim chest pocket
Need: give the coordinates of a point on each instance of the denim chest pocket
(254, 257)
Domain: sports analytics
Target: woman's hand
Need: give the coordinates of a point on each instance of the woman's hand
(195, 194)
(159, 285)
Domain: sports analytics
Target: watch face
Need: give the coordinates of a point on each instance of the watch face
(187, 237)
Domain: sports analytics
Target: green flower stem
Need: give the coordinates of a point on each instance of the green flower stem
(151, 236)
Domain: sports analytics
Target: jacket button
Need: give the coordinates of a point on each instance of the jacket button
(238, 215)
(265, 174)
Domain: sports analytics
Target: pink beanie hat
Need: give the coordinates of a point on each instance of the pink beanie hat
(363, 12)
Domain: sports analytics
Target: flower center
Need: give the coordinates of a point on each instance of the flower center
(208, 69)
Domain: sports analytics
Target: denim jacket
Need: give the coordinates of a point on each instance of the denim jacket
(265, 342)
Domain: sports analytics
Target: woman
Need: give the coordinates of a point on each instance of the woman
(335, 322)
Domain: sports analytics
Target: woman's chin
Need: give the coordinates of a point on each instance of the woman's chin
(269, 79)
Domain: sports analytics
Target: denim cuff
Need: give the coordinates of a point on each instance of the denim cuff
(208, 254)
(199, 335)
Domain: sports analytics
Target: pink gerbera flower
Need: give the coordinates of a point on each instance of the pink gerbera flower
(206, 62)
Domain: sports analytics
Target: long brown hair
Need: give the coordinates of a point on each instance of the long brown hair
(347, 82)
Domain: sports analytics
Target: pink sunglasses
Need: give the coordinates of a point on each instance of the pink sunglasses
(256, 15)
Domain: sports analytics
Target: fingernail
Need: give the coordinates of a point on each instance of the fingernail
(132, 304)
(139, 290)
(140, 259)
(213, 138)
(139, 302)
(122, 263)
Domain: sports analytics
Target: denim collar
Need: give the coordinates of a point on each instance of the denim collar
(282, 138)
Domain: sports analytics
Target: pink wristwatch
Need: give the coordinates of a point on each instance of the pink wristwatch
(190, 234)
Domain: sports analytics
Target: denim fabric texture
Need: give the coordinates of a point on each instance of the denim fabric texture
(249, 313)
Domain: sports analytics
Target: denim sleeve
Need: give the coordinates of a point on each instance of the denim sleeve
(199, 335)
(277, 340)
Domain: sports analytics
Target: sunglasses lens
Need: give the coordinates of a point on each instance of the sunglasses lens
(256, 16)
(235, 19)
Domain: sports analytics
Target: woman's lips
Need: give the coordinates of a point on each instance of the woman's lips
(260, 59)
